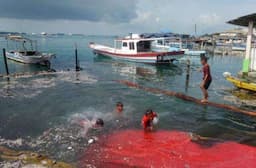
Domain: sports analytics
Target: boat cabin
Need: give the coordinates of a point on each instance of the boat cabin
(134, 44)
(22, 45)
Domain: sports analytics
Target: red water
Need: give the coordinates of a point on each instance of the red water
(165, 149)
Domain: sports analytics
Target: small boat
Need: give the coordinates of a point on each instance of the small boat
(239, 83)
(239, 47)
(137, 49)
(175, 44)
(194, 52)
(43, 33)
(27, 53)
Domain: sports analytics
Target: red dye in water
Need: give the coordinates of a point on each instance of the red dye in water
(164, 149)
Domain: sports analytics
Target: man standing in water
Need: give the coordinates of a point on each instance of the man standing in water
(207, 78)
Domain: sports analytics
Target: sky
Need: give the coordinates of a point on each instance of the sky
(115, 17)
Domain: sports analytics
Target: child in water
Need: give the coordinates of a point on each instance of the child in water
(207, 78)
(96, 123)
(149, 119)
(119, 107)
(87, 124)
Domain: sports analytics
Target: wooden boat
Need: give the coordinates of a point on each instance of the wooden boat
(137, 49)
(241, 84)
(27, 53)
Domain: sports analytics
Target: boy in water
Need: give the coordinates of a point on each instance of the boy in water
(95, 123)
(207, 78)
(149, 119)
(119, 107)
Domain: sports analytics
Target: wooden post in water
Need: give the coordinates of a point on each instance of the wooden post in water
(187, 75)
(5, 62)
(77, 62)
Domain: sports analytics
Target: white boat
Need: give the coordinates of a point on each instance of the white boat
(193, 52)
(238, 47)
(43, 33)
(175, 44)
(137, 49)
(27, 53)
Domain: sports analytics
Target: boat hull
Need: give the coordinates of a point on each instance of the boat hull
(242, 84)
(35, 59)
(144, 57)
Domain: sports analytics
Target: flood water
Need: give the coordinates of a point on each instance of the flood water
(41, 110)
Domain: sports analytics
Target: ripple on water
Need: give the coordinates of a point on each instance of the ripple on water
(32, 86)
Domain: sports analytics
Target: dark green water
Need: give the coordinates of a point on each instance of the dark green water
(29, 106)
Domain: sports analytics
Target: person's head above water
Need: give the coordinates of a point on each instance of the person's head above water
(203, 59)
(99, 122)
(119, 107)
(148, 112)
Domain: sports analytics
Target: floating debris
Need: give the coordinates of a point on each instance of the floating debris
(90, 141)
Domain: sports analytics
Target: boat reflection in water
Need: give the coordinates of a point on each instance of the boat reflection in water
(138, 70)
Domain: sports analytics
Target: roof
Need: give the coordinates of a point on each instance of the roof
(18, 38)
(146, 39)
(244, 20)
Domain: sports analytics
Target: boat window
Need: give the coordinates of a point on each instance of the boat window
(144, 46)
(131, 45)
(124, 44)
(160, 42)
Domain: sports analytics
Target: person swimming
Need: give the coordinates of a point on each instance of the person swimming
(87, 124)
(119, 107)
(99, 123)
(149, 120)
(95, 123)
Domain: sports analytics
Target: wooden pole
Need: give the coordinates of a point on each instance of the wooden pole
(77, 62)
(187, 98)
(187, 75)
(5, 62)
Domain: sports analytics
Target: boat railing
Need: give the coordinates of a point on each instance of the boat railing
(24, 43)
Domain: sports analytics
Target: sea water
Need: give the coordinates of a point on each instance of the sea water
(37, 111)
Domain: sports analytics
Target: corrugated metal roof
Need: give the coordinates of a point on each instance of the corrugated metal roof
(244, 20)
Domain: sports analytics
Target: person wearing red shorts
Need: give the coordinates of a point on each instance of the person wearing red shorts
(207, 78)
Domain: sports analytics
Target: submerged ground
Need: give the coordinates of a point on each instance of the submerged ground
(39, 113)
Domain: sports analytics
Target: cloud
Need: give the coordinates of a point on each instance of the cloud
(120, 16)
(209, 19)
(87, 10)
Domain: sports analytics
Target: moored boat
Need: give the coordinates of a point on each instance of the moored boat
(176, 44)
(137, 49)
(27, 53)
(240, 83)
